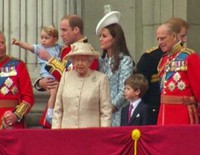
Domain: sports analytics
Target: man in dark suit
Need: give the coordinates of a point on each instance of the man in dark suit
(136, 112)
(147, 65)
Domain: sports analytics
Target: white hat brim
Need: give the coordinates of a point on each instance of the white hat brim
(93, 56)
(80, 48)
(110, 18)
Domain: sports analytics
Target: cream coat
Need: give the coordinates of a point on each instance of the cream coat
(82, 102)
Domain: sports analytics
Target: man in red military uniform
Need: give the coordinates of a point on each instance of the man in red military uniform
(147, 65)
(16, 94)
(71, 28)
(180, 79)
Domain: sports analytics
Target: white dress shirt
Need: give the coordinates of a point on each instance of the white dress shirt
(135, 104)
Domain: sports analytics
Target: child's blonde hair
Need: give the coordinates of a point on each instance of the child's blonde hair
(51, 31)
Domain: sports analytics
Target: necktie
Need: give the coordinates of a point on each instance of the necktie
(129, 112)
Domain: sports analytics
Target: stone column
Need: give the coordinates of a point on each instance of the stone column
(193, 17)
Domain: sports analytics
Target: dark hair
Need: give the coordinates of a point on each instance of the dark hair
(74, 21)
(137, 82)
(119, 45)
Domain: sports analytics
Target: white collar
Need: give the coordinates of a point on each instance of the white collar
(136, 102)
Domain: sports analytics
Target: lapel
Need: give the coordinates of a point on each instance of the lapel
(125, 113)
(136, 113)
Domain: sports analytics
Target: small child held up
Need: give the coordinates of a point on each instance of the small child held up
(48, 42)
(136, 112)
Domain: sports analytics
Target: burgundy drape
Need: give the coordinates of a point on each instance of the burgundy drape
(154, 140)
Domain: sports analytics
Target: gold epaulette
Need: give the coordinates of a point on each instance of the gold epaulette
(152, 49)
(21, 109)
(187, 50)
(155, 78)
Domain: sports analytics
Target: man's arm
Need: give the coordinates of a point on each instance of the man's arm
(42, 84)
(54, 66)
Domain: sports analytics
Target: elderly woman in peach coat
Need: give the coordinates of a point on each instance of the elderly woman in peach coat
(83, 97)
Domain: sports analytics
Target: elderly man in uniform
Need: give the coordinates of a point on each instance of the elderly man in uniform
(16, 94)
(147, 65)
(180, 79)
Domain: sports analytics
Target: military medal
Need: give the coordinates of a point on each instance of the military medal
(8, 71)
(176, 77)
(14, 90)
(171, 86)
(181, 85)
(12, 71)
(8, 82)
(4, 90)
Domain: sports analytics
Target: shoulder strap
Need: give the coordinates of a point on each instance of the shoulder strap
(152, 49)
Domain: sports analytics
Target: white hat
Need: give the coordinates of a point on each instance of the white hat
(109, 18)
(80, 48)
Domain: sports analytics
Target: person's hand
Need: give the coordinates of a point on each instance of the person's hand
(9, 118)
(43, 54)
(114, 109)
(15, 42)
(48, 83)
